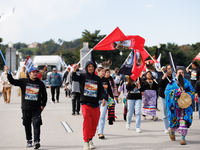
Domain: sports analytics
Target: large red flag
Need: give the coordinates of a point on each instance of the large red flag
(197, 57)
(139, 62)
(107, 42)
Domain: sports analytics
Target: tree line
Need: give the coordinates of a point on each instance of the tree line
(70, 50)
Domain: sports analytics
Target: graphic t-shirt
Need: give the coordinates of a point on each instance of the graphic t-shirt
(105, 86)
(134, 91)
(31, 92)
(194, 75)
(90, 88)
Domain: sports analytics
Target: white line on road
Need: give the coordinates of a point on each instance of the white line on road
(66, 126)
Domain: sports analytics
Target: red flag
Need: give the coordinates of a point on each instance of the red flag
(117, 40)
(107, 42)
(139, 62)
(197, 57)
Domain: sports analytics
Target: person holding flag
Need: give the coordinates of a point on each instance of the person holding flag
(162, 83)
(91, 92)
(194, 77)
(34, 99)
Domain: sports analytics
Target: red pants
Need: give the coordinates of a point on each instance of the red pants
(90, 121)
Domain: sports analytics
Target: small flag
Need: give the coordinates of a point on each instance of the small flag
(127, 65)
(7, 14)
(29, 63)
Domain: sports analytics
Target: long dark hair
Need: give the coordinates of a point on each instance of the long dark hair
(110, 79)
(130, 81)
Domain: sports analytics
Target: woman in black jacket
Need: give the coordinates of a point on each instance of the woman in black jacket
(149, 96)
(134, 102)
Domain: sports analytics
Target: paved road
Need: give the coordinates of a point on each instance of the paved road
(55, 137)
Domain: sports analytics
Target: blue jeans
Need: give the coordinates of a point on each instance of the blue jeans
(164, 111)
(134, 104)
(101, 123)
(199, 106)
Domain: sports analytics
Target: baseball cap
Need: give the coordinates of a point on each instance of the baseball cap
(33, 69)
(54, 69)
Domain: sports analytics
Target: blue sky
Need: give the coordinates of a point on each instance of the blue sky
(157, 21)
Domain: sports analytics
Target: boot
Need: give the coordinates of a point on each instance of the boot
(172, 135)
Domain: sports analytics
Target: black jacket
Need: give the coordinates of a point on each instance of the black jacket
(107, 88)
(34, 93)
(90, 87)
(197, 88)
(162, 84)
(194, 76)
(133, 92)
(146, 86)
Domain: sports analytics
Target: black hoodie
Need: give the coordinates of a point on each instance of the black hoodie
(34, 93)
(90, 86)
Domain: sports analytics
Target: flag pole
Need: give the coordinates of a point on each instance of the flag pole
(84, 56)
(173, 61)
(159, 68)
(4, 60)
(92, 49)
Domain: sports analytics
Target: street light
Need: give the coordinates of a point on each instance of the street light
(10, 45)
(101, 58)
(17, 54)
(158, 46)
(120, 53)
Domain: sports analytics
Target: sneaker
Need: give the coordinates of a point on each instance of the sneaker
(29, 143)
(101, 136)
(166, 131)
(36, 145)
(155, 118)
(86, 146)
(78, 113)
(91, 145)
(128, 126)
(138, 130)
(73, 113)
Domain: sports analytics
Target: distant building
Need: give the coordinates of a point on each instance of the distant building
(83, 52)
(33, 45)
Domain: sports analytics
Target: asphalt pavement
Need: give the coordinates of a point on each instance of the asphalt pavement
(62, 131)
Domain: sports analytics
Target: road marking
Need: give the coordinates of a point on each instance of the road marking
(66, 126)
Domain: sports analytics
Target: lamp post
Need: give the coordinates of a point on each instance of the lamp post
(17, 54)
(120, 53)
(158, 48)
(101, 58)
(10, 45)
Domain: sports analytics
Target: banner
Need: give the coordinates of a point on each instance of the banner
(139, 62)
(29, 63)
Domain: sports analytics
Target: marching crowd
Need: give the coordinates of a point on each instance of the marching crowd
(95, 95)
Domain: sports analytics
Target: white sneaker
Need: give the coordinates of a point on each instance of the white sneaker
(166, 131)
(91, 145)
(138, 130)
(128, 126)
(86, 146)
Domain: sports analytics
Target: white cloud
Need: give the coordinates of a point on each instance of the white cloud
(149, 6)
